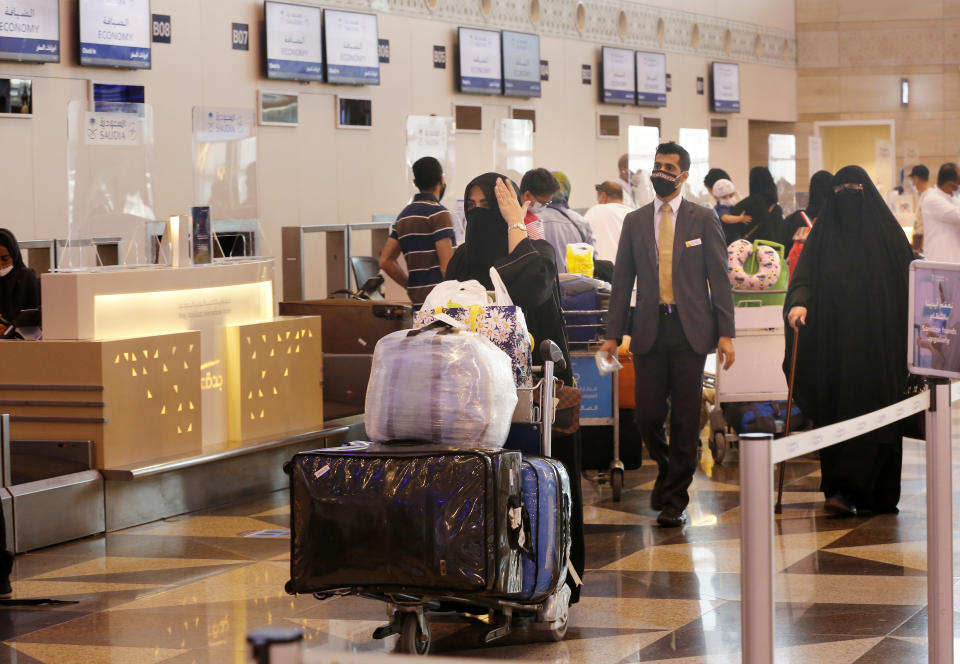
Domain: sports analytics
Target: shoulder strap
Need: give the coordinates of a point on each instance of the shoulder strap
(806, 219)
(567, 217)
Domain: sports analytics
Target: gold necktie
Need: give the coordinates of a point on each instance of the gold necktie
(666, 254)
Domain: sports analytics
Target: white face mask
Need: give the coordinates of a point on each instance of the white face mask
(5, 271)
(536, 207)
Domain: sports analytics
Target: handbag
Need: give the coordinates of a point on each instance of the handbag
(567, 415)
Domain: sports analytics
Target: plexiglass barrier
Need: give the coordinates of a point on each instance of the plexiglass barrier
(109, 186)
(431, 136)
(225, 179)
(697, 143)
(513, 147)
(641, 150)
(782, 163)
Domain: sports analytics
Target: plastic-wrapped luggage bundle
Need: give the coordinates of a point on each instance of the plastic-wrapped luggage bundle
(454, 388)
(417, 519)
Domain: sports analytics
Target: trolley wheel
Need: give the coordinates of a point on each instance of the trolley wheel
(616, 483)
(718, 446)
(558, 630)
(413, 640)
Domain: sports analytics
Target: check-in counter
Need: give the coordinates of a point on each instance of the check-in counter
(155, 363)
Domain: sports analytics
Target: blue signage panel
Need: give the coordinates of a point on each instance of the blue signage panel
(596, 391)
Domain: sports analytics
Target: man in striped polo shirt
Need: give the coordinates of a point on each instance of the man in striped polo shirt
(423, 231)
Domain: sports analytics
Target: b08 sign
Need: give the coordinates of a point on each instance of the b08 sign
(161, 29)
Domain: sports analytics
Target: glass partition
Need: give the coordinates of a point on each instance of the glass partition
(225, 179)
(783, 167)
(109, 187)
(431, 136)
(697, 143)
(513, 147)
(642, 145)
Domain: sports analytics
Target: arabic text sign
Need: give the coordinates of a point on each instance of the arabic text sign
(521, 64)
(479, 61)
(934, 346)
(351, 40)
(30, 30)
(222, 124)
(726, 86)
(115, 33)
(112, 129)
(596, 391)
(293, 42)
(619, 82)
(651, 79)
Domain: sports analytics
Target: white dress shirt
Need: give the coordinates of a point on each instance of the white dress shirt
(657, 206)
(941, 226)
(606, 221)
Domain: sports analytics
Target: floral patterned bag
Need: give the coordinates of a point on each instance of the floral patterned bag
(504, 325)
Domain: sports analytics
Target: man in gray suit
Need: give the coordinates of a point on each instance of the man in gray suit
(674, 250)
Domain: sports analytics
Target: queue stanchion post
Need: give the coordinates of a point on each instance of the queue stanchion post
(756, 548)
(939, 524)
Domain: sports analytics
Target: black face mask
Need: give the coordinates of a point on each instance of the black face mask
(664, 183)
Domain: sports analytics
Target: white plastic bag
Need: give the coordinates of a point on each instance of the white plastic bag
(454, 389)
(452, 294)
(501, 295)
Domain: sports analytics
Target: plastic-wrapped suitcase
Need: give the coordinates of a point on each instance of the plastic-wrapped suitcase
(546, 496)
(580, 294)
(413, 519)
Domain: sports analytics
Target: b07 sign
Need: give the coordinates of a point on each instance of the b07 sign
(240, 36)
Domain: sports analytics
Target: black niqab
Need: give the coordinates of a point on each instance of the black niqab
(821, 188)
(763, 186)
(852, 276)
(485, 238)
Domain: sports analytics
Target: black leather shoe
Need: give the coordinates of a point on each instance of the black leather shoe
(671, 517)
(840, 505)
(656, 500)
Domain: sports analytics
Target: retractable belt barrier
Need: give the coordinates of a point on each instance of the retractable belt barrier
(758, 455)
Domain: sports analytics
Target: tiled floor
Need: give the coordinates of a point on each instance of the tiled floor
(187, 590)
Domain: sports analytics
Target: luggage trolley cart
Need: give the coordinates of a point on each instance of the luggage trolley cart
(600, 403)
(409, 611)
(755, 376)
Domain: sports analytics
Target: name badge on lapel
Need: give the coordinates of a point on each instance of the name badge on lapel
(696, 242)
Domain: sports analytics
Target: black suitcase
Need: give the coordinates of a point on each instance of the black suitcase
(420, 520)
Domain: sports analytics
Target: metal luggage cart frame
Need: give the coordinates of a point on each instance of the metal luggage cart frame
(408, 610)
(583, 349)
(756, 376)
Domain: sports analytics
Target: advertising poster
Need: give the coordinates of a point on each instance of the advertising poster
(934, 349)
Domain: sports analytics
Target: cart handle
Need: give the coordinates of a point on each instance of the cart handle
(550, 352)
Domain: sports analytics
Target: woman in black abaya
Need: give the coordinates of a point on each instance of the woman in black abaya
(848, 298)
(496, 236)
(762, 206)
(820, 190)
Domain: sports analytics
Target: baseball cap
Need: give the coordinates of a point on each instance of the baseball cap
(723, 188)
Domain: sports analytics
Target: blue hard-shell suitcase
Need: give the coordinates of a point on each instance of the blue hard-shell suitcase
(546, 496)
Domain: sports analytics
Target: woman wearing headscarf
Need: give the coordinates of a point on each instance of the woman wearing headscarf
(848, 299)
(496, 237)
(762, 207)
(797, 226)
(19, 285)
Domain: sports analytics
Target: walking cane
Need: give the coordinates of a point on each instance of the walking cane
(778, 508)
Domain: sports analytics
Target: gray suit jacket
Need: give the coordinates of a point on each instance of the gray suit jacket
(703, 294)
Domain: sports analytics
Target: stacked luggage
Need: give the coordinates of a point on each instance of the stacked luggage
(434, 513)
